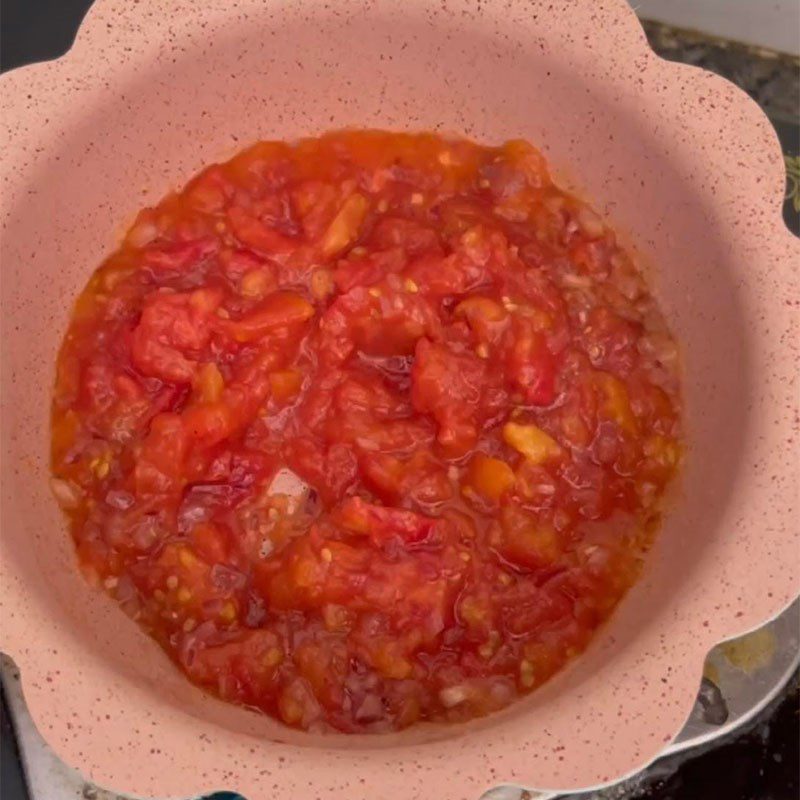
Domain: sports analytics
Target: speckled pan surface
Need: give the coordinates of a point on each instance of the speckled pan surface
(680, 160)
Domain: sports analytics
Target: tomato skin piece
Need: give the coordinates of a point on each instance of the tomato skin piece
(179, 256)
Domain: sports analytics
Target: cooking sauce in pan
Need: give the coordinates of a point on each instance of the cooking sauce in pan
(367, 429)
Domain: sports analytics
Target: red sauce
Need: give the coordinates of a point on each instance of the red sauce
(367, 429)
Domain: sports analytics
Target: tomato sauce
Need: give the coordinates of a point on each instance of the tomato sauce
(367, 429)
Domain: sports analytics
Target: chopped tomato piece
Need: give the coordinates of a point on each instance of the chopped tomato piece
(379, 322)
(279, 310)
(405, 236)
(209, 383)
(285, 384)
(524, 540)
(331, 470)
(610, 341)
(254, 233)
(420, 478)
(209, 423)
(368, 269)
(172, 329)
(402, 320)
(345, 226)
(449, 385)
(615, 403)
(486, 317)
(530, 364)
(489, 477)
(237, 263)
(381, 523)
(440, 276)
(531, 441)
(159, 469)
(315, 203)
(210, 542)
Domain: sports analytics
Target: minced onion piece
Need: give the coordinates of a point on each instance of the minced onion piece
(142, 233)
(68, 494)
(370, 709)
(227, 578)
(453, 695)
(294, 488)
(120, 499)
(660, 347)
(573, 281)
(590, 222)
